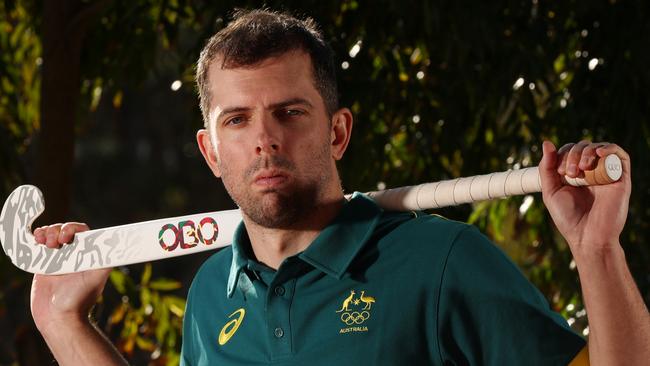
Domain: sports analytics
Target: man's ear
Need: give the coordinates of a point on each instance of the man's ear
(208, 151)
(340, 132)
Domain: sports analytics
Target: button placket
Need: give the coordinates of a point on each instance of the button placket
(278, 309)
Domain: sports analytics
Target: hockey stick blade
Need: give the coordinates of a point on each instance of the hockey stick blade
(109, 247)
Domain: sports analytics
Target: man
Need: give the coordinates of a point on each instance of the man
(314, 279)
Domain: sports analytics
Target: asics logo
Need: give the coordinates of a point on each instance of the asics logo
(231, 327)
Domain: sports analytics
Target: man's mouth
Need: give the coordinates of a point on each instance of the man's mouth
(270, 178)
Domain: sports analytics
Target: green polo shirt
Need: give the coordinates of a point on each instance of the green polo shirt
(374, 288)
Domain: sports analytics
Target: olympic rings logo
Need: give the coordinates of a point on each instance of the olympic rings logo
(355, 317)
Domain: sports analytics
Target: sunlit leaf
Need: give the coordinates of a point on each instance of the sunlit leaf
(146, 275)
(117, 99)
(145, 297)
(119, 280)
(118, 314)
(164, 284)
(145, 344)
(176, 305)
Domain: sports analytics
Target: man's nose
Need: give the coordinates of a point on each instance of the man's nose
(268, 135)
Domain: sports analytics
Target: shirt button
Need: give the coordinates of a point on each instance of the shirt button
(278, 332)
(279, 290)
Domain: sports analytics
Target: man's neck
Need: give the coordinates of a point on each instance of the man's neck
(271, 246)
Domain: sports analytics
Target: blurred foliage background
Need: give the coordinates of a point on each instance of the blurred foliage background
(98, 108)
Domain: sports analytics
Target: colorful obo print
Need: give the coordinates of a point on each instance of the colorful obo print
(187, 235)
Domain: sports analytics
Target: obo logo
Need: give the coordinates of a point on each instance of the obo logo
(187, 234)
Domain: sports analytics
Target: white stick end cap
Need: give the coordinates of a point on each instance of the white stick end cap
(613, 167)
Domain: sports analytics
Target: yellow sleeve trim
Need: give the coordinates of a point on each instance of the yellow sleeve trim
(582, 358)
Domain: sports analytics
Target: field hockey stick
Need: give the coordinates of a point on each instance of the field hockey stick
(165, 238)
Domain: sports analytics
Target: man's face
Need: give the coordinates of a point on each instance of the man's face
(270, 139)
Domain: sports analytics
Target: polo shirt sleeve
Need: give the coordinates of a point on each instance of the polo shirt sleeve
(490, 314)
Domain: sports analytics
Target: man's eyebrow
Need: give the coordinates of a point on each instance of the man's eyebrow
(292, 101)
(232, 110)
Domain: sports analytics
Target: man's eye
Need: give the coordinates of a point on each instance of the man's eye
(293, 112)
(234, 121)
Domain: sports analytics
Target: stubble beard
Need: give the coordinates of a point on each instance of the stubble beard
(288, 206)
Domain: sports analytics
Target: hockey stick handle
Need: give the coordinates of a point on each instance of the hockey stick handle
(171, 237)
(485, 187)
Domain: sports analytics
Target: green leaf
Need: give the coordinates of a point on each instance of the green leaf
(118, 314)
(145, 297)
(146, 274)
(119, 280)
(163, 326)
(176, 305)
(479, 210)
(164, 284)
(559, 63)
(145, 344)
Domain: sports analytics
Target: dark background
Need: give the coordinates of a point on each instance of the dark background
(439, 90)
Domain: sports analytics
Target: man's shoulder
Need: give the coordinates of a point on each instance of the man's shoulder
(420, 226)
(416, 236)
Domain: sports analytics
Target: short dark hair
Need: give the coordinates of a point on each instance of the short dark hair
(256, 35)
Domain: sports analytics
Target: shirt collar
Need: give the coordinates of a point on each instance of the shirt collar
(333, 249)
(338, 244)
(239, 257)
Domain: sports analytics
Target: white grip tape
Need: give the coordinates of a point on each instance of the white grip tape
(465, 190)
